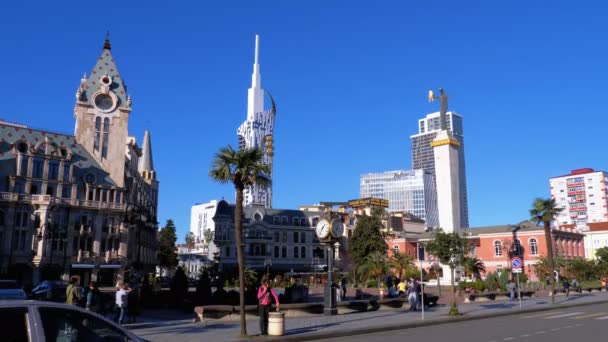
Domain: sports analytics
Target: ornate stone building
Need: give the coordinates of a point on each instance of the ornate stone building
(280, 240)
(84, 204)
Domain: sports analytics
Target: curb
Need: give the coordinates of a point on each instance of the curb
(420, 324)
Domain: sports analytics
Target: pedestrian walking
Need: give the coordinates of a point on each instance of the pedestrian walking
(93, 298)
(411, 294)
(575, 285)
(511, 288)
(566, 286)
(72, 292)
(122, 294)
(343, 284)
(265, 292)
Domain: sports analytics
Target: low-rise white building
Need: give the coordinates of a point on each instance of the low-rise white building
(203, 226)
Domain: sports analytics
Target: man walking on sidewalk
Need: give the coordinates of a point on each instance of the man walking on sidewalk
(566, 286)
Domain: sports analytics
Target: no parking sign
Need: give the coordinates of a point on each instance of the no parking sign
(516, 265)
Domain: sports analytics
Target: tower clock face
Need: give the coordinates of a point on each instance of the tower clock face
(104, 102)
(337, 228)
(322, 229)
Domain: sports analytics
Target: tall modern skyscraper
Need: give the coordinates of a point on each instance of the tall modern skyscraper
(257, 131)
(410, 191)
(423, 155)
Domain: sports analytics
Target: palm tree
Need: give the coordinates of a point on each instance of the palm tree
(375, 265)
(473, 266)
(401, 263)
(242, 168)
(544, 211)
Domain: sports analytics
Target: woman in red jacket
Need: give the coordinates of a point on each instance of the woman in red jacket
(264, 301)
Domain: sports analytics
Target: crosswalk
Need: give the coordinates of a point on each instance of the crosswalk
(579, 315)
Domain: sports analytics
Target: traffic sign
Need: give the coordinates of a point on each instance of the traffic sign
(516, 264)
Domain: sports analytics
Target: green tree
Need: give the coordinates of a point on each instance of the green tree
(544, 211)
(190, 238)
(208, 235)
(402, 263)
(601, 254)
(367, 237)
(179, 285)
(450, 249)
(473, 266)
(375, 266)
(167, 254)
(242, 168)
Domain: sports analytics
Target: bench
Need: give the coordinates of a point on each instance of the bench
(491, 296)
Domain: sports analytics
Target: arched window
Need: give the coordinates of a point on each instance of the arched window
(303, 252)
(533, 247)
(283, 252)
(106, 129)
(276, 251)
(295, 237)
(395, 250)
(97, 133)
(303, 222)
(302, 237)
(1, 218)
(295, 252)
(497, 248)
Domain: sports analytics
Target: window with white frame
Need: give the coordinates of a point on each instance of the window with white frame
(396, 250)
(497, 248)
(533, 247)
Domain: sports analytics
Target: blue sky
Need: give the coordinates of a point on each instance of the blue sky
(350, 80)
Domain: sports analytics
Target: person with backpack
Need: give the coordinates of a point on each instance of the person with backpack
(93, 298)
(265, 292)
(72, 292)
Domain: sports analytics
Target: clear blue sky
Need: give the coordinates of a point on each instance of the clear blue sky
(350, 79)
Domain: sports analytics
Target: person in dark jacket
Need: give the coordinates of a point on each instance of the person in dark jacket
(566, 286)
(94, 298)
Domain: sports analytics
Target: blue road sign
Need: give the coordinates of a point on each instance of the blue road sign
(516, 263)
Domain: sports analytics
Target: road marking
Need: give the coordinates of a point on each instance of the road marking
(565, 315)
(525, 335)
(540, 332)
(555, 329)
(605, 317)
(589, 315)
(508, 338)
(542, 314)
(569, 326)
(579, 325)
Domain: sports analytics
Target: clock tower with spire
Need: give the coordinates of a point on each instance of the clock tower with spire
(102, 115)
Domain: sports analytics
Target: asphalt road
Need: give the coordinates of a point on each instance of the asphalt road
(585, 323)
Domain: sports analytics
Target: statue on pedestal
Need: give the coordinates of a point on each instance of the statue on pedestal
(443, 106)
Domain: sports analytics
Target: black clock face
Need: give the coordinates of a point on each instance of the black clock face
(104, 102)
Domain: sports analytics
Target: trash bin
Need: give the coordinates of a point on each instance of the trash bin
(276, 323)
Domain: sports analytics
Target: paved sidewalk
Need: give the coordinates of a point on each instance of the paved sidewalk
(184, 330)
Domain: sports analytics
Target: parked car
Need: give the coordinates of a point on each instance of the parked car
(50, 290)
(26, 320)
(9, 289)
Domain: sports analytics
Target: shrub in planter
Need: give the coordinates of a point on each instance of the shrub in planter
(372, 283)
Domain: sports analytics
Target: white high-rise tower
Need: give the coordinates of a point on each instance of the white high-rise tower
(257, 131)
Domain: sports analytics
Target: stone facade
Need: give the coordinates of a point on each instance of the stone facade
(84, 204)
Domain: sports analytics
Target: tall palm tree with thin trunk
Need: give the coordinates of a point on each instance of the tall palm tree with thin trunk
(473, 266)
(544, 211)
(243, 168)
(401, 262)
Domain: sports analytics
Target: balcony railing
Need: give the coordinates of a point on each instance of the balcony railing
(15, 197)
